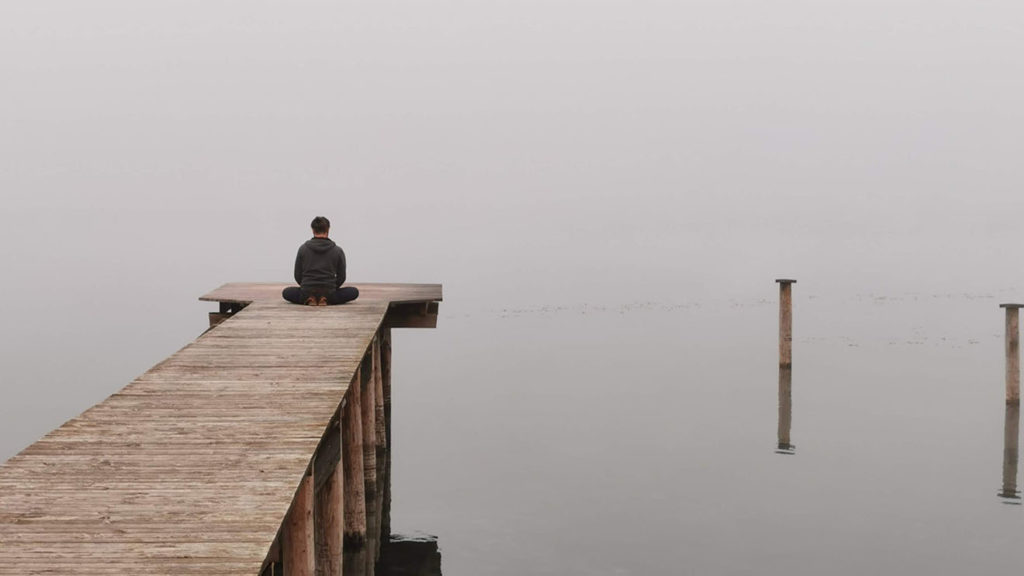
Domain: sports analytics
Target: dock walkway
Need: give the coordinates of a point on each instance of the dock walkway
(193, 468)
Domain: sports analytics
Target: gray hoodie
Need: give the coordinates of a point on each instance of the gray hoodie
(320, 263)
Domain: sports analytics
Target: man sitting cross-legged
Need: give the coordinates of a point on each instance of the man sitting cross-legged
(320, 271)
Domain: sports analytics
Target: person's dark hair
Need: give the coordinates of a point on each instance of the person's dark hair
(320, 225)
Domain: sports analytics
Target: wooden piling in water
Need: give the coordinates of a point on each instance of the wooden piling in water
(354, 547)
(328, 507)
(378, 397)
(381, 443)
(297, 548)
(385, 364)
(1012, 353)
(369, 416)
(785, 322)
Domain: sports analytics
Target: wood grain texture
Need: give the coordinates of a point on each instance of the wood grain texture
(328, 508)
(354, 537)
(1012, 356)
(385, 359)
(370, 459)
(381, 444)
(785, 324)
(297, 539)
(193, 467)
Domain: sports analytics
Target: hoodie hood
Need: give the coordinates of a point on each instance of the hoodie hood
(320, 245)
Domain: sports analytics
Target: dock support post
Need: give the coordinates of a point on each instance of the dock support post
(297, 539)
(328, 514)
(785, 322)
(385, 364)
(354, 547)
(369, 416)
(1011, 433)
(381, 443)
(1012, 353)
(378, 396)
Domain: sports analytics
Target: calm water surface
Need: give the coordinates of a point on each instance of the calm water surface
(644, 438)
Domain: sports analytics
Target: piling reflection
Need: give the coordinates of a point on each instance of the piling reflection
(410, 556)
(785, 445)
(393, 555)
(1011, 433)
(399, 556)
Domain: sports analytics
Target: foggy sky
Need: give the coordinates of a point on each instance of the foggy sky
(520, 152)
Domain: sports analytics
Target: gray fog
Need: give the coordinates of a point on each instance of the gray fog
(607, 190)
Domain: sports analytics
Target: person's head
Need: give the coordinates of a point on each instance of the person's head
(321, 226)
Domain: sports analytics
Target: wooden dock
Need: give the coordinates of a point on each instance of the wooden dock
(260, 446)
